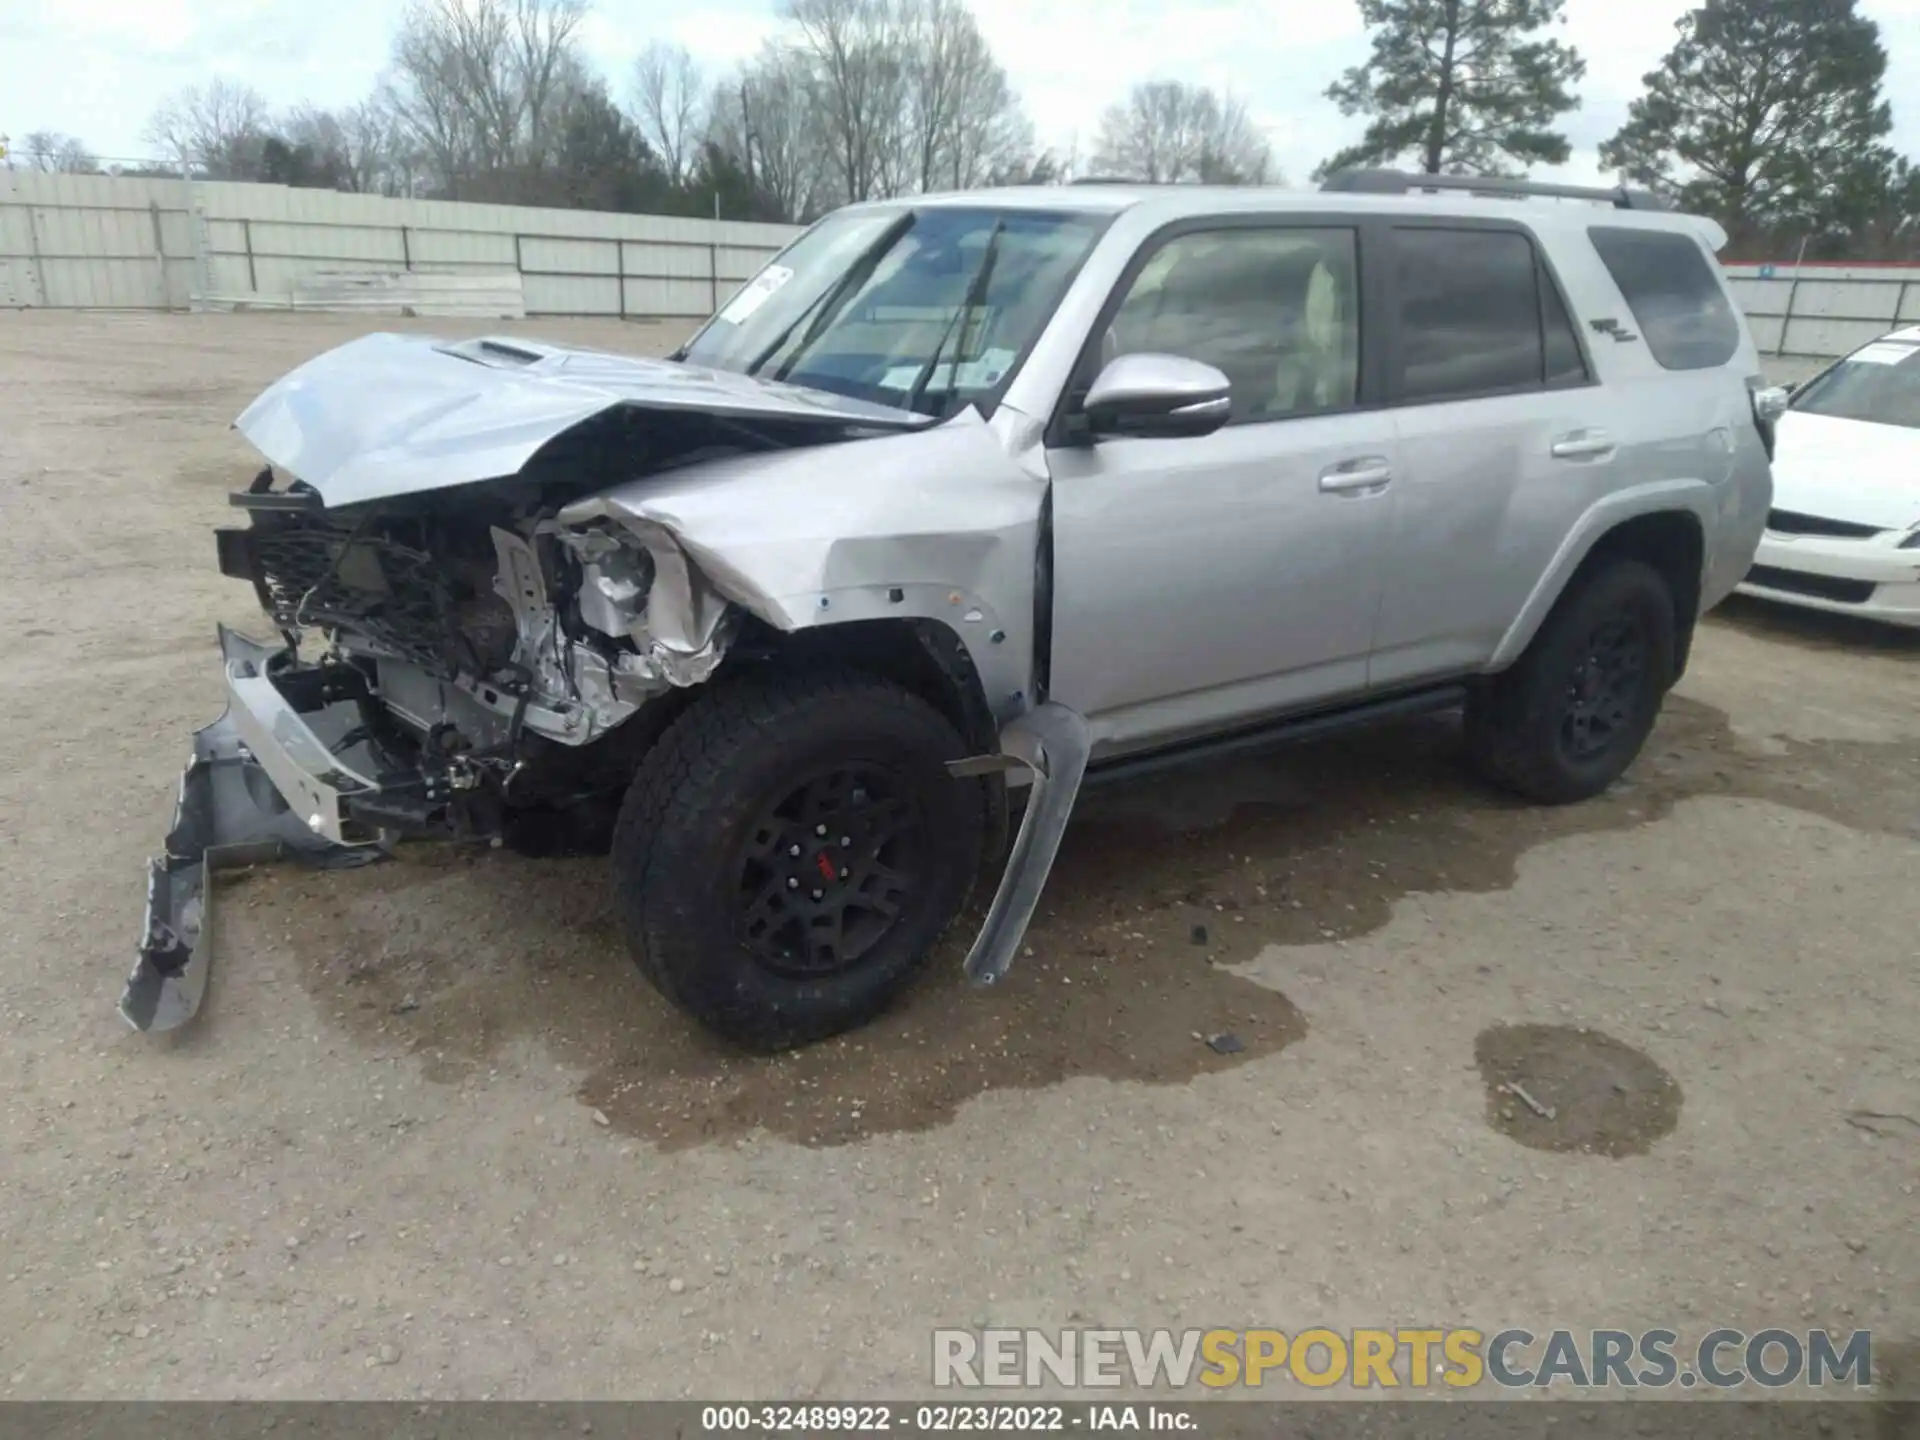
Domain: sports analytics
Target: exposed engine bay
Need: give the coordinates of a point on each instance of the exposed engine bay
(479, 635)
(500, 571)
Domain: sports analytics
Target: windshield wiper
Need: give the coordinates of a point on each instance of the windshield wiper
(975, 297)
(823, 306)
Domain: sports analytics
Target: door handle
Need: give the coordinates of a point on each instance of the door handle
(1369, 472)
(1583, 445)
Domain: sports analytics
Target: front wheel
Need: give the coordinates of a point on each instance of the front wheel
(791, 849)
(1574, 711)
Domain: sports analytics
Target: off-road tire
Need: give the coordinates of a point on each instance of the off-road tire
(1518, 723)
(700, 800)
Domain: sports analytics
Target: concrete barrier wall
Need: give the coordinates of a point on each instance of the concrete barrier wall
(110, 242)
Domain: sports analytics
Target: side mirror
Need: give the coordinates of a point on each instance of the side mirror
(1771, 403)
(1158, 396)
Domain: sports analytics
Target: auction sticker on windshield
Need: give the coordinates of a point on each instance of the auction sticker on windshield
(757, 292)
(971, 374)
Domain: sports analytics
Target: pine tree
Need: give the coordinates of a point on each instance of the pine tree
(1465, 86)
(1761, 113)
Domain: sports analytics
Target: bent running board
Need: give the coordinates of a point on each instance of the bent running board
(1053, 742)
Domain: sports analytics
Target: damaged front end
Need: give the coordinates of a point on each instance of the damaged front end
(468, 659)
(490, 565)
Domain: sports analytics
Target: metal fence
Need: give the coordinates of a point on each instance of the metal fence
(1818, 310)
(86, 242)
(119, 242)
(559, 274)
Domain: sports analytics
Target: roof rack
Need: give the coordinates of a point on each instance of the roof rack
(1401, 182)
(1109, 180)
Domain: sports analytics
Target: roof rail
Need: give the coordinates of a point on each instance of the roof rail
(1401, 182)
(1110, 180)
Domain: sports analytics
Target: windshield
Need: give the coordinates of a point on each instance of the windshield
(1879, 383)
(926, 309)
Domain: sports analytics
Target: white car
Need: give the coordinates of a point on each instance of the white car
(1844, 531)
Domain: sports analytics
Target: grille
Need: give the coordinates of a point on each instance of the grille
(1789, 522)
(323, 571)
(1823, 587)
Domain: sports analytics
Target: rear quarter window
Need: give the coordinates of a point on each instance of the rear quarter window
(1677, 301)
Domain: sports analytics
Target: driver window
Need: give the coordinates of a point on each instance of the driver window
(1275, 310)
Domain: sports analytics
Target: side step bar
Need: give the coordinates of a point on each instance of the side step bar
(1280, 732)
(1055, 744)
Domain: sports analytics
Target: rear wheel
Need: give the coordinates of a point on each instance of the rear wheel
(1574, 711)
(791, 849)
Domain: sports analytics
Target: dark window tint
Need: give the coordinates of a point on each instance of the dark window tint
(1564, 363)
(1469, 313)
(1275, 310)
(1669, 285)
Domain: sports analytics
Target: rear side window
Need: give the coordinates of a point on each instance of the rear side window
(1478, 316)
(1676, 301)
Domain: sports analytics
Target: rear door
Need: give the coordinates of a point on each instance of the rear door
(1503, 437)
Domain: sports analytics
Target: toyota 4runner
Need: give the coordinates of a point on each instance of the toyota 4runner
(963, 501)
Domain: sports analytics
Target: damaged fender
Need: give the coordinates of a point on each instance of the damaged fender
(948, 533)
(228, 815)
(937, 525)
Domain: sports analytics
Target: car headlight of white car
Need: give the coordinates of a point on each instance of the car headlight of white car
(1912, 542)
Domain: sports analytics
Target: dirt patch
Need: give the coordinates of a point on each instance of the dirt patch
(1160, 887)
(387, 968)
(281, 1204)
(1568, 1088)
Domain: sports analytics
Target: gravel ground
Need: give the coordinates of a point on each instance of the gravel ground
(435, 1138)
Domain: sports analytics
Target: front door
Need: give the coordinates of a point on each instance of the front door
(1208, 581)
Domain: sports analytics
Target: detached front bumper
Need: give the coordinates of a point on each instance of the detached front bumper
(263, 782)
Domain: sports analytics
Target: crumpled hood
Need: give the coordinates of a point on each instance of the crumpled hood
(390, 415)
(1847, 470)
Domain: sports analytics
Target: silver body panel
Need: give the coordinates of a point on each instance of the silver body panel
(1198, 584)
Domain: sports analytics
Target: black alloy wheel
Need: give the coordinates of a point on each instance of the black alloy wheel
(828, 871)
(1603, 694)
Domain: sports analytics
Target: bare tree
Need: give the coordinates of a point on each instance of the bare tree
(547, 65)
(964, 121)
(218, 129)
(61, 154)
(1168, 132)
(475, 83)
(376, 160)
(354, 147)
(854, 56)
(669, 104)
(766, 118)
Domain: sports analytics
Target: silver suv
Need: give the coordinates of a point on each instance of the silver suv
(962, 501)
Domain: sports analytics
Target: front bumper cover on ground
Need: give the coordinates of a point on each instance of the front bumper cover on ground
(230, 813)
(263, 753)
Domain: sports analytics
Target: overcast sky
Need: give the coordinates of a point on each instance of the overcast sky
(97, 68)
